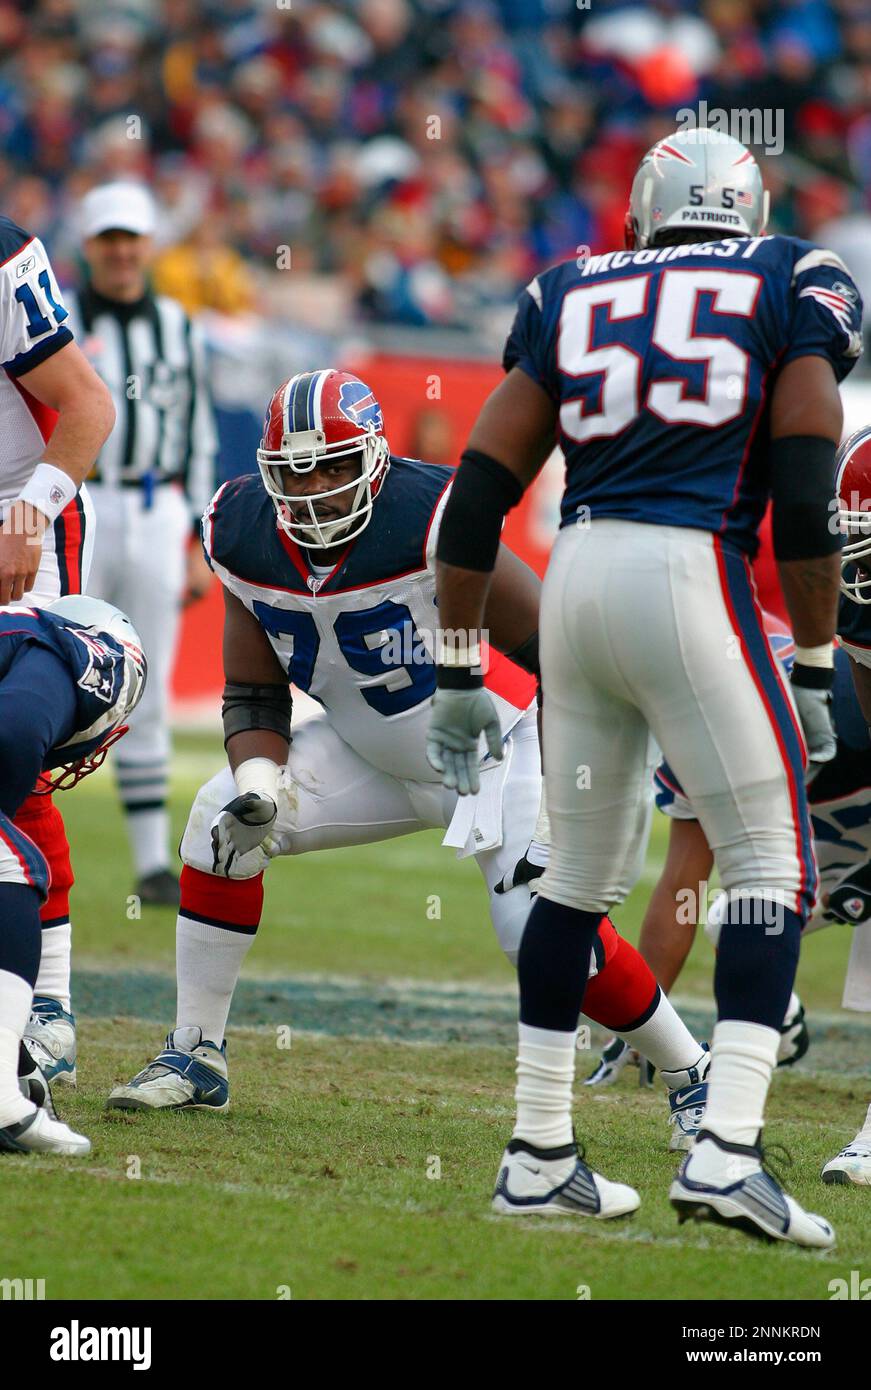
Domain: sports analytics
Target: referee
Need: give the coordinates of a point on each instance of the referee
(150, 485)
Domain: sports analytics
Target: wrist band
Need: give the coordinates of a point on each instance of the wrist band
(49, 490)
(258, 775)
(824, 655)
(459, 652)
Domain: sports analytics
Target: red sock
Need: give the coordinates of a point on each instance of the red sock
(625, 986)
(39, 818)
(233, 903)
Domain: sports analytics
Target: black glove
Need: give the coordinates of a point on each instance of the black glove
(529, 869)
(850, 901)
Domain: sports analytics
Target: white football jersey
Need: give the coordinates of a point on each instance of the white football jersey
(358, 640)
(32, 327)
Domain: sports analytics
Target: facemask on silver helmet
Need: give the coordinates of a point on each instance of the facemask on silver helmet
(696, 180)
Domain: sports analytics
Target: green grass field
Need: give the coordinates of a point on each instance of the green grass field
(358, 1161)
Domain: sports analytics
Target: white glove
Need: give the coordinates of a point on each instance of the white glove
(457, 719)
(242, 825)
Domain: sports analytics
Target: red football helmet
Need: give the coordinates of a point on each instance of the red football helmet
(316, 417)
(853, 476)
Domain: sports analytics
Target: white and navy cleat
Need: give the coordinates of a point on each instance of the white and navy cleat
(42, 1133)
(851, 1165)
(50, 1038)
(557, 1182)
(687, 1098)
(754, 1203)
(189, 1074)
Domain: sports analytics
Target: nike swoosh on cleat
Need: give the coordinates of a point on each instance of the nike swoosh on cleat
(684, 1096)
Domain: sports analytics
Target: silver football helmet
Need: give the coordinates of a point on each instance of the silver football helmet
(698, 180)
(96, 614)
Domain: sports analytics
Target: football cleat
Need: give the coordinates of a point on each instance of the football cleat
(189, 1074)
(686, 1115)
(41, 1133)
(614, 1058)
(794, 1036)
(556, 1182)
(754, 1203)
(687, 1098)
(852, 1164)
(50, 1038)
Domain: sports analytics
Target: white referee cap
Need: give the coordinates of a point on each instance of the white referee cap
(126, 207)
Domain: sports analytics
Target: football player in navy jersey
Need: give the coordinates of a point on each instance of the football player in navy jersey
(70, 674)
(689, 379)
(327, 563)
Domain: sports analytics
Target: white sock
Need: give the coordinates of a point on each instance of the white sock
(864, 1135)
(53, 979)
(208, 961)
(792, 1008)
(743, 1058)
(149, 839)
(545, 1072)
(666, 1041)
(16, 998)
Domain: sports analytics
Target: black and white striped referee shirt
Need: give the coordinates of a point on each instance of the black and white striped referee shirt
(151, 356)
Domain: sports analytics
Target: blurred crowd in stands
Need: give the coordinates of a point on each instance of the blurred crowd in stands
(411, 161)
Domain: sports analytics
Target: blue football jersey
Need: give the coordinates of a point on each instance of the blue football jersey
(96, 671)
(660, 362)
(359, 640)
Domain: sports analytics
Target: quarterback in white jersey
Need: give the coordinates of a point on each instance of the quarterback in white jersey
(327, 560)
(55, 415)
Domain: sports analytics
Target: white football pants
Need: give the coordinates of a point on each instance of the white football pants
(330, 798)
(656, 630)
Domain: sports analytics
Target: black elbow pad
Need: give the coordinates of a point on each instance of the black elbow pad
(483, 491)
(804, 521)
(258, 707)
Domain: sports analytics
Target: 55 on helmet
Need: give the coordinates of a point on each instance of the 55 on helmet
(853, 481)
(313, 420)
(692, 181)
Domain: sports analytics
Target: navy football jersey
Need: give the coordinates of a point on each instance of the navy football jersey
(660, 362)
(96, 670)
(359, 639)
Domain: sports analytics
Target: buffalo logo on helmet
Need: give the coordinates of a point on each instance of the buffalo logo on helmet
(853, 473)
(358, 404)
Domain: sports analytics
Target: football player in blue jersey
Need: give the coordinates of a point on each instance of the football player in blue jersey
(70, 674)
(327, 560)
(689, 379)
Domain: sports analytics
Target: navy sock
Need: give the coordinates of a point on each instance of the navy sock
(757, 958)
(20, 931)
(553, 963)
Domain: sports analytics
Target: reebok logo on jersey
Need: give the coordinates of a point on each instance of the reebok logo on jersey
(24, 267)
